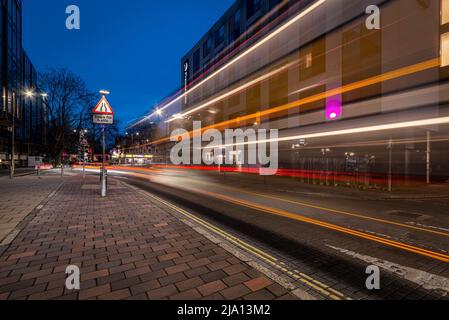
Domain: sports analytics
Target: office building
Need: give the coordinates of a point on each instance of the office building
(316, 72)
(19, 110)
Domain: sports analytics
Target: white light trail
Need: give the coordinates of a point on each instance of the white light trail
(392, 126)
(243, 54)
(232, 92)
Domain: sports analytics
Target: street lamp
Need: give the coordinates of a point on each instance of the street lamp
(104, 92)
(325, 152)
(83, 144)
(29, 94)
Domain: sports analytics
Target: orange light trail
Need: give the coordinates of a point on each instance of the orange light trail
(398, 73)
(282, 213)
(300, 218)
(352, 214)
(264, 40)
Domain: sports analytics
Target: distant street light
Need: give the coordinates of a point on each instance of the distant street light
(104, 92)
(31, 94)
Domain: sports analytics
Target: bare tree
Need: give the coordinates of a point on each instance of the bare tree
(95, 135)
(69, 103)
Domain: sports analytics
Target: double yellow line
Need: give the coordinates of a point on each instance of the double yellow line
(294, 216)
(356, 215)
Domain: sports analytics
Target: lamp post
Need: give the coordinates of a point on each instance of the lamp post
(390, 164)
(13, 135)
(325, 152)
(83, 144)
(133, 149)
(28, 94)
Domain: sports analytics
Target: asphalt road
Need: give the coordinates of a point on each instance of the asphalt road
(329, 235)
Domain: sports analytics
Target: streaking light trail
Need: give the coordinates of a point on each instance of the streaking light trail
(392, 126)
(408, 70)
(243, 54)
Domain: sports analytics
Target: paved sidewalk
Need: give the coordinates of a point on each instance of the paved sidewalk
(19, 197)
(126, 248)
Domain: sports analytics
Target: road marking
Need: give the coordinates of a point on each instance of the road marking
(360, 234)
(301, 277)
(408, 226)
(430, 227)
(418, 227)
(298, 217)
(427, 280)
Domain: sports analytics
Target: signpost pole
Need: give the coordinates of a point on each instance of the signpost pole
(390, 165)
(103, 169)
(428, 159)
(103, 115)
(84, 164)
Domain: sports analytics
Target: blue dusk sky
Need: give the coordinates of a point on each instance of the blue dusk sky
(132, 48)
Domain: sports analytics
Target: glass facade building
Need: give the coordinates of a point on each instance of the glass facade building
(23, 113)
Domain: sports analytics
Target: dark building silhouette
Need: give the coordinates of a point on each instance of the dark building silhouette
(22, 105)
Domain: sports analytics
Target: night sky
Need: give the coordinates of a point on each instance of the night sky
(132, 48)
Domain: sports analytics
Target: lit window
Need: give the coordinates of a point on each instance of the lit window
(445, 50)
(444, 11)
(309, 59)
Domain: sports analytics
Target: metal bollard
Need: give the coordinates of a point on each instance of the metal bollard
(104, 182)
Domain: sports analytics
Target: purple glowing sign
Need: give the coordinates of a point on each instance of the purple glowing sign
(334, 108)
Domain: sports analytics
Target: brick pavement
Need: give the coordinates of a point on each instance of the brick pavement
(126, 248)
(19, 197)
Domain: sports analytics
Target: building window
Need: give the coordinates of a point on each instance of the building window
(196, 61)
(444, 11)
(207, 47)
(309, 60)
(236, 19)
(445, 50)
(313, 59)
(235, 27)
(219, 36)
(253, 6)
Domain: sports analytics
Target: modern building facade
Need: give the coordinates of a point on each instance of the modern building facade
(236, 30)
(25, 114)
(314, 71)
